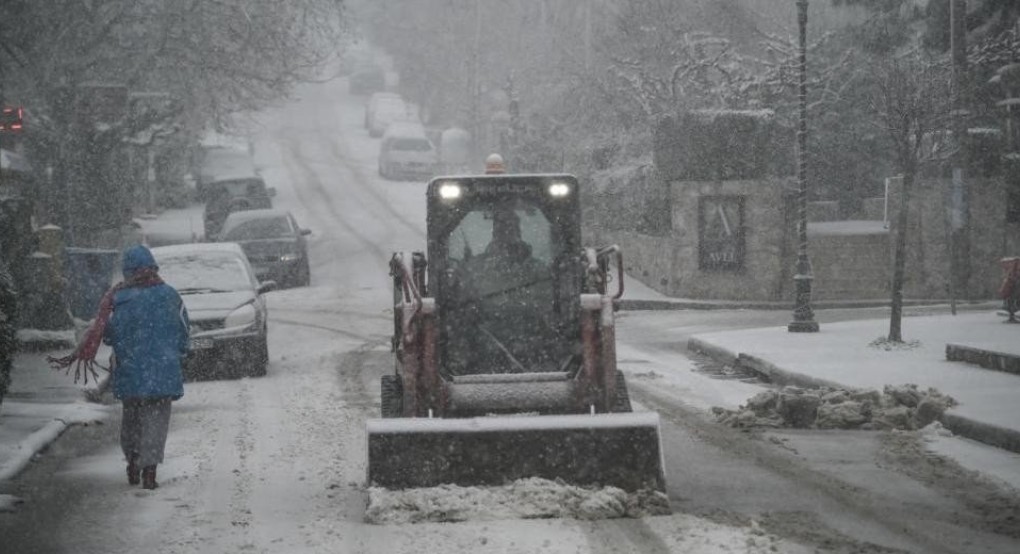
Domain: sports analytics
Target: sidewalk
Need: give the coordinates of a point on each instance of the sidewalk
(639, 296)
(39, 406)
(840, 355)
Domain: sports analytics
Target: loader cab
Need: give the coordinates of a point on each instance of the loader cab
(504, 269)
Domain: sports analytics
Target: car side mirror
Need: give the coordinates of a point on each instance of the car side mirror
(271, 192)
(266, 286)
(306, 232)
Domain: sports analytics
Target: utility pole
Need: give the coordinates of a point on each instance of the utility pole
(959, 196)
(803, 316)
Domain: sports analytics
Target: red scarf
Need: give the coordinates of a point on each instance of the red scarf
(84, 356)
(1012, 278)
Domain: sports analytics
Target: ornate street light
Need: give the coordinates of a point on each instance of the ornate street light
(803, 316)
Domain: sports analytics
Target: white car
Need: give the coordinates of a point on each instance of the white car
(407, 152)
(383, 109)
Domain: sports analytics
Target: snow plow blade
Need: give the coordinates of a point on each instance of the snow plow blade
(621, 450)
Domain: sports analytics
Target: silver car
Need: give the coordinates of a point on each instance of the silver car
(225, 305)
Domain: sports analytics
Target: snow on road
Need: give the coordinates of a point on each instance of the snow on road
(277, 464)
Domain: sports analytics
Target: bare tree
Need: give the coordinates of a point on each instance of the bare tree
(911, 101)
(213, 58)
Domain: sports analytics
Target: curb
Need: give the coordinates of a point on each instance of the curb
(988, 359)
(992, 435)
(671, 304)
(30, 445)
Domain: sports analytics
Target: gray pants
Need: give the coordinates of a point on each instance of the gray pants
(143, 429)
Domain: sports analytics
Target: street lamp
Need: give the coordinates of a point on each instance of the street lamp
(803, 316)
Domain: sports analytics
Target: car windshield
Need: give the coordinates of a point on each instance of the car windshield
(254, 229)
(412, 144)
(205, 272)
(390, 104)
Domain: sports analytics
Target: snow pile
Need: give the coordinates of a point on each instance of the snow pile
(531, 498)
(896, 407)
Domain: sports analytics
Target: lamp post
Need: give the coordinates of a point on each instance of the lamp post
(803, 316)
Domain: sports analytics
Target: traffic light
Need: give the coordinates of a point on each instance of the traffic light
(12, 119)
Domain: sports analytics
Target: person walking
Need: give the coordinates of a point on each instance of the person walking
(145, 322)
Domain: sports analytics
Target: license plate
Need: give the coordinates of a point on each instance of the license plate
(201, 344)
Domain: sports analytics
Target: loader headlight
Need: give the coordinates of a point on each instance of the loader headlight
(559, 190)
(450, 191)
(241, 317)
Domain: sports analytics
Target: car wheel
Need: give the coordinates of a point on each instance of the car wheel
(392, 396)
(305, 279)
(260, 359)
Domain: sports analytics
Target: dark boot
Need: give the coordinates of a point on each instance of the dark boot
(134, 472)
(149, 478)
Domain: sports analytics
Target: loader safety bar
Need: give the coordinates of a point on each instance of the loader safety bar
(399, 268)
(598, 261)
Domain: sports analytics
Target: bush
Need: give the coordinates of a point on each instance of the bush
(8, 338)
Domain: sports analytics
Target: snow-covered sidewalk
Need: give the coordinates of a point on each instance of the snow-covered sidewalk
(39, 406)
(847, 355)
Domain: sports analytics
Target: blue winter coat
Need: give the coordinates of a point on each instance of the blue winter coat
(149, 334)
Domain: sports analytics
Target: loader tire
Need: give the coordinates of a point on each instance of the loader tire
(622, 404)
(392, 396)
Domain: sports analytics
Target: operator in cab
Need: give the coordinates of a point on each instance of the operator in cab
(508, 291)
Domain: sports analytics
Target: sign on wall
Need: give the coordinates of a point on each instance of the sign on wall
(721, 233)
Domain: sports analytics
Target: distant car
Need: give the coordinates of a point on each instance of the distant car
(455, 151)
(219, 163)
(234, 195)
(225, 305)
(274, 243)
(407, 152)
(367, 79)
(383, 109)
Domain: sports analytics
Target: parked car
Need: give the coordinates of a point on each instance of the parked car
(367, 79)
(406, 152)
(234, 195)
(383, 109)
(225, 305)
(221, 163)
(274, 243)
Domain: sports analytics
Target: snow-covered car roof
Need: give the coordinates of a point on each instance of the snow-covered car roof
(381, 95)
(403, 129)
(248, 215)
(197, 248)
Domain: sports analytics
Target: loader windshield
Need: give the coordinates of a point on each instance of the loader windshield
(505, 313)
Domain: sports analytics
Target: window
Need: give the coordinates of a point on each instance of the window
(412, 145)
(474, 233)
(254, 229)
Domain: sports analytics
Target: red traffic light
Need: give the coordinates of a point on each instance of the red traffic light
(12, 119)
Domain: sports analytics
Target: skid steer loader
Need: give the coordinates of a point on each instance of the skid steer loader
(505, 348)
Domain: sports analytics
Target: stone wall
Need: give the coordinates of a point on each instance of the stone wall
(850, 261)
(766, 230)
(928, 237)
